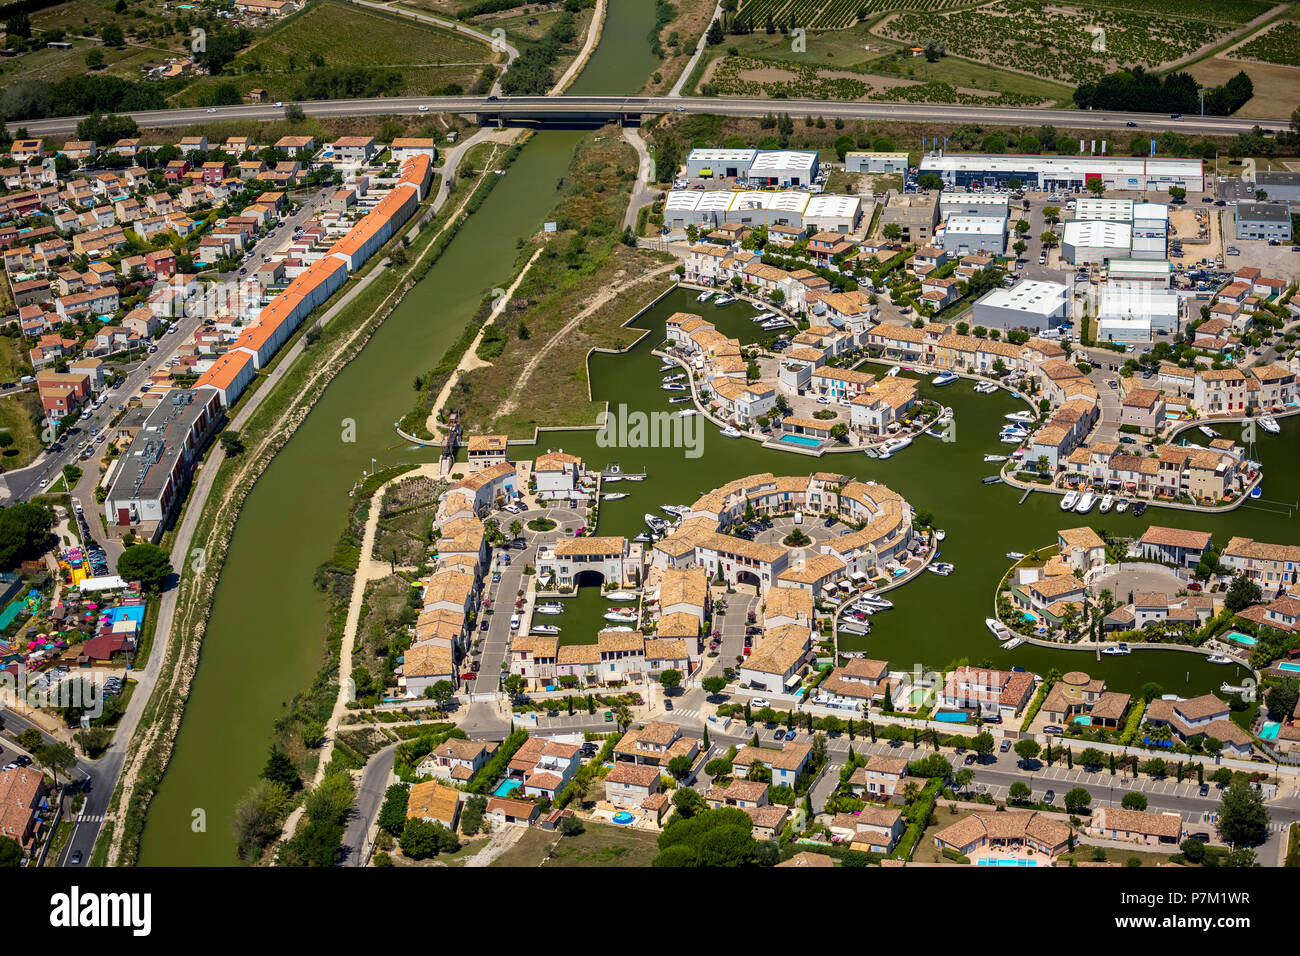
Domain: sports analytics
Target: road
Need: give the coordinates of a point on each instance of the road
(365, 808)
(615, 106)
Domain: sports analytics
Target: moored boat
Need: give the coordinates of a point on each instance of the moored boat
(995, 457)
(1269, 424)
(1121, 506)
(944, 378)
(545, 629)
(615, 496)
(1020, 416)
(621, 616)
(1086, 502)
(1069, 501)
(549, 608)
(1015, 556)
(706, 295)
(941, 567)
(730, 432)
(1000, 630)
(621, 596)
(1107, 501)
(1219, 659)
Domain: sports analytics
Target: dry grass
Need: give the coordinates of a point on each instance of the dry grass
(693, 18)
(1275, 85)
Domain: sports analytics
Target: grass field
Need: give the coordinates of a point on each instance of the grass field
(325, 35)
(599, 844)
(1275, 85)
(13, 359)
(18, 415)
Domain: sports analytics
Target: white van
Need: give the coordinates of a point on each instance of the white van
(514, 622)
(798, 517)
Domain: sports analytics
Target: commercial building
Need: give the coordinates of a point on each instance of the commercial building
(1030, 304)
(783, 168)
(1135, 313)
(915, 213)
(1103, 210)
(1092, 242)
(873, 162)
(1279, 186)
(970, 234)
(1262, 220)
(1157, 273)
(832, 213)
(973, 204)
(151, 477)
(1066, 172)
(719, 163)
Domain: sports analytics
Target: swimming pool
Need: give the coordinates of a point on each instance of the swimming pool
(1245, 640)
(1289, 668)
(1006, 862)
(505, 786)
(1269, 730)
(802, 440)
(622, 818)
(1083, 720)
(1029, 616)
(951, 717)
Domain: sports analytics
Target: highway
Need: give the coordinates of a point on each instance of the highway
(542, 107)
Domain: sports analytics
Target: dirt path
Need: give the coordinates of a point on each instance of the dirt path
(593, 36)
(604, 298)
(500, 841)
(470, 360)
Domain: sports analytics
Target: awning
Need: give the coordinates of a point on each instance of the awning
(794, 680)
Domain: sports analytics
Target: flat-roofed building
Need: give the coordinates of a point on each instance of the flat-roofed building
(1088, 242)
(784, 167)
(719, 163)
(1279, 185)
(875, 162)
(969, 234)
(1262, 220)
(1051, 173)
(1029, 304)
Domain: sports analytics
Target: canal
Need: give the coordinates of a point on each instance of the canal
(936, 619)
(265, 637)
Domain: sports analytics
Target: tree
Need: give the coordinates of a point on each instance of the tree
(1027, 750)
(419, 838)
(442, 691)
(146, 563)
(1019, 792)
(57, 758)
(30, 739)
(670, 679)
(1134, 801)
(1243, 818)
(1096, 186)
(687, 802)
(1281, 698)
(679, 766)
(94, 58)
(24, 530)
(1242, 593)
(713, 686)
(11, 852)
(257, 819)
(231, 444)
(471, 818)
(983, 743)
(392, 815)
(892, 230)
(570, 825)
(514, 685)
(1077, 800)
(715, 34)
(280, 769)
(294, 113)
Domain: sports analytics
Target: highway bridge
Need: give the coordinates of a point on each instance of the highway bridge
(629, 110)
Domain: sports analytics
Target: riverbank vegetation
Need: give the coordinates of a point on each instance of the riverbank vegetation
(536, 350)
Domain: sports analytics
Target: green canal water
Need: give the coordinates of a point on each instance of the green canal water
(264, 639)
(936, 619)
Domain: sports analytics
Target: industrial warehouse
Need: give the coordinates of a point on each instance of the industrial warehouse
(1051, 173)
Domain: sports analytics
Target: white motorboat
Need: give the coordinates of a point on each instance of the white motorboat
(1010, 439)
(642, 537)
(724, 300)
(608, 478)
(1013, 643)
(1069, 501)
(679, 399)
(855, 627)
(892, 372)
(1000, 630)
(1219, 659)
(674, 387)
(895, 444)
(1020, 416)
(621, 616)
(1107, 501)
(1121, 506)
(730, 432)
(941, 567)
(640, 477)
(684, 413)
(1207, 431)
(1269, 424)
(995, 457)
(674, 378)
(656, 524)
(620, 628)
(549, 608)
(1086, 501)
(545, 629)
(1016, 555)
(668, 367)
(1119, 650)
(940, 534)
(944, 378)
(621, 596)
(874, 600)
(677, 511)
(706, 295)
(985, 388)
(615, 496)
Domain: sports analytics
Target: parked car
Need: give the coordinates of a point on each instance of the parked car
(1006, 745)
(790, 735)
(1205, 790)
(1049, 796)
(1052, 729)
(759, 702)
(970, 759)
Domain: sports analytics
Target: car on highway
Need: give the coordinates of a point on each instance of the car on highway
(469, 675)
(422, 109)
(1130, 124)
(212, 109)
(679, 109)
(278, 103)
(75, 859)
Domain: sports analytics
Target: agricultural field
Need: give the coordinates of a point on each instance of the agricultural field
(1275, 84)
(835, 14)
(403, 57)
(870, 68)
(1055, 42)
(1278, 44)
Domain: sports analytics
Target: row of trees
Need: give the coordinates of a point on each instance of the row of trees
(1135, 90)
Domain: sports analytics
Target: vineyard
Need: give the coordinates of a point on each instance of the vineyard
(834, 14)
(1056, 42)
(1220, 11)
(1281, 45)
(748, 76)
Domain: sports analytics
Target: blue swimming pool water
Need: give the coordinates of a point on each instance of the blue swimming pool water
(1029, 616)
(623, 818)
(1006, 862)
(802, 440)
(134, 613)
(951, 717)
(1289, 667)
(1269, 730)
(505, 786)
(1084, 720)
(1239, 638)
